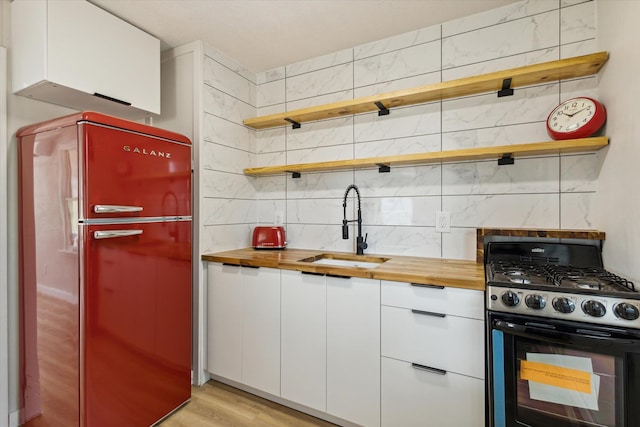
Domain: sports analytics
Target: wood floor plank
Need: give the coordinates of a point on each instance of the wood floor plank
(219, 405)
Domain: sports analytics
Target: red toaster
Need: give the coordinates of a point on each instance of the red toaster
(268, 237)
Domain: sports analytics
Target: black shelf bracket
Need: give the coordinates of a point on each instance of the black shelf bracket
(506, 159)
(382, 168)
(294, 174)
(383, 111)
(295, 125)
(506, 88)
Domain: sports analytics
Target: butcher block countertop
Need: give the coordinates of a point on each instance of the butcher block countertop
(430, 271)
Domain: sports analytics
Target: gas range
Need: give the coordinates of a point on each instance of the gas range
(558, 281)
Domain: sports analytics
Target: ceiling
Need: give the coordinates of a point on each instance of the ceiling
(265, 34)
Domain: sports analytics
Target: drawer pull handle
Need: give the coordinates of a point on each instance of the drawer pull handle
(424, 285)
(429, 313)
(429, 369)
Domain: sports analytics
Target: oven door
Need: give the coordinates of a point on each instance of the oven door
(555, 373)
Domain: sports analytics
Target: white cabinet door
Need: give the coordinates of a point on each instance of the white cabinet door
(261, 328)
(353, 350)
(224, 321)
(412, 397)
(304, 349)
(70, 52)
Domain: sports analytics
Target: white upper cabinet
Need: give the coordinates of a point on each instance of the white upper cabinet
(74, 54)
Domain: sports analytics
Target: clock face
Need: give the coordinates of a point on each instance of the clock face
(576, 118)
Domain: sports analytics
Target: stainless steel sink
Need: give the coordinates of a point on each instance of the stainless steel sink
(346, 260)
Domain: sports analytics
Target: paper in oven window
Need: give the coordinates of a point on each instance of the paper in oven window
(561, 379)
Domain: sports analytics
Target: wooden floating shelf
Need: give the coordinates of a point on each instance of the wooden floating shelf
(578, 66)
(511, 151)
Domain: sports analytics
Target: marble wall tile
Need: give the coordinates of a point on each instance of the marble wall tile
(314, 211)
(460, 243)
(579, 173)
(566, 3)
(578, 23)
(527, 175)
(533, 33)
(400, 240)
(271, 140)
(326, 185)
(221, 131)
(271, 93)
(321, 133)
(422, 119)
(498, 16)
(270, 109)
(406, 181)
(411, 61)
(483, 111)
(215, 238)
(227, 81)
(500, 210)
(270, 159)
(398, 84)
(398, 146)
(218, 211)
(271, 187)
(504, 63)
(267, 210)
(228, 62)
(496, 136)
(225, 106)
(578, 211)
(343, 95)
(215, 184)
(398, 42)
(278, 73)
(584, 47)
(410, 211)
(320, 154)
(319, 63)
(222, 158)
(324, 81)
(318, 237)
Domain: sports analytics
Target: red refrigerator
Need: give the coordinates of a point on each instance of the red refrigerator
(105, 272)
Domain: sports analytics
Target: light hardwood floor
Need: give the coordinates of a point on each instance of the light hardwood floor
(217, 404)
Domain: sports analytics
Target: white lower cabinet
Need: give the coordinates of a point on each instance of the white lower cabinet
(368, 352)
(353, 349)
(224, 321)
(243, 325)
(261, 328)
(304, 339)
(412, 397)
(432, 356)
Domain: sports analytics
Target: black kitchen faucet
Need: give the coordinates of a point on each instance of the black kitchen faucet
(361, 244)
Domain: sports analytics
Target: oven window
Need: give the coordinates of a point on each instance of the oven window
(568, 385)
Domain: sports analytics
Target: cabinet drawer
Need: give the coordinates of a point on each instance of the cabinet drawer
(456, 301)
(451, 343)
(413, 397)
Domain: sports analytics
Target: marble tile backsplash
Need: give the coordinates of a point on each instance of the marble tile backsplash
(399, 207)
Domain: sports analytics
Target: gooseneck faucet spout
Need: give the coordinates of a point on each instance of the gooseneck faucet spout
(361, 244)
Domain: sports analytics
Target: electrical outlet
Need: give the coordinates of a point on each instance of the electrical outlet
(278, 218)
(443, 222)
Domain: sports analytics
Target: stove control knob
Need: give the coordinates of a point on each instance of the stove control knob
(535, 301)
(626, 311)
(594, 308)
(563, 305)
(510, 299)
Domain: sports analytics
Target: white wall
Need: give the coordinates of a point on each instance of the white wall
(399, 207)
(618, 189)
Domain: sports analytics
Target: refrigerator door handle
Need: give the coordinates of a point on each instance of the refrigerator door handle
(115, 209)
(115, 233)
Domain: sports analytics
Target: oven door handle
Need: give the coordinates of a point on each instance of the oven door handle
(551, 334)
